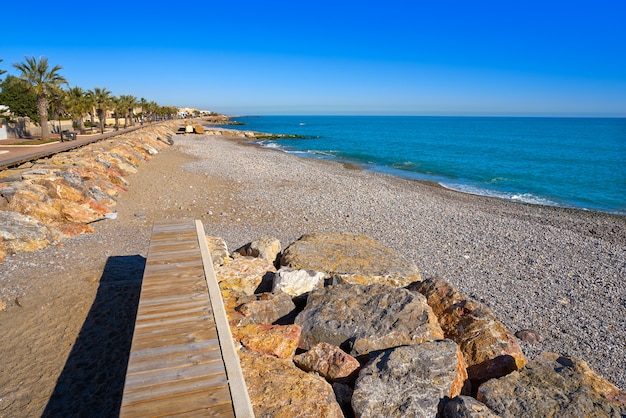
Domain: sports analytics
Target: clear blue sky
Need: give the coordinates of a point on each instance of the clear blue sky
(405, 57)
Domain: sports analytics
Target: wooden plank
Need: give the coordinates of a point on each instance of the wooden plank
(237, 384)
(201, 383)
(173, 350)
(222, 411)
(177, 360)
(185, 403)
(174, 374)
(144, 343)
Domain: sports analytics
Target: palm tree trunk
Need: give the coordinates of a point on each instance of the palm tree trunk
(101, 115)
(42, 111)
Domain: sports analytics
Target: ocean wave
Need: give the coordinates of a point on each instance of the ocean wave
(406, 165)
(515, 197)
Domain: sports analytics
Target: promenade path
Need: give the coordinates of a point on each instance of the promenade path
(12, 155)
(183, 360)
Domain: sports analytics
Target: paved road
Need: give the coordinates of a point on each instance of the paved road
(11, 156)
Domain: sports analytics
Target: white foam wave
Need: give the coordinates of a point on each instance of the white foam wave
(516, 197)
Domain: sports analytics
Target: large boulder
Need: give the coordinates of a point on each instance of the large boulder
(240, 280)
(278, 341)
(409, 381)
(361, 319)
(267, 308)
(22, 233)
(355, 258)
(489, 348)
(277, 388)
(552, 385)
(244, 275)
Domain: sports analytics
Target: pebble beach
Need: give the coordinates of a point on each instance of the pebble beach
(558, 271)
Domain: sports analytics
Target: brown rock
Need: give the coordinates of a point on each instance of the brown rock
(76, 213)
(489, 348)
(32, 200)
(278, 341)
(243, 274)
(219, 251)
(553, 386)
(267, 248)
(355, 258)
(278, 389)
(328, 361)
(267, 308)
(21, 233)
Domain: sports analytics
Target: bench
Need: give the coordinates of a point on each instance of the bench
(182, 358)
(69, 136)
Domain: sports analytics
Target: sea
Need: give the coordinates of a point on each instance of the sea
(567, 162)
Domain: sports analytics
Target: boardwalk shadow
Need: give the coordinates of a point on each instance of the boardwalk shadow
(92, 381)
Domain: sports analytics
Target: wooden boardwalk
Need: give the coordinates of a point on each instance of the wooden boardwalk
(182, 360)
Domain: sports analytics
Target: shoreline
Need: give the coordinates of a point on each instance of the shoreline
(546, 210)
(558, 271)
(417, 176)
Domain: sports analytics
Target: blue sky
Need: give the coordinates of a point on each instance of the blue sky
(531, 58)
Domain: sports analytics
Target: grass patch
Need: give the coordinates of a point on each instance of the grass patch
(36, 141)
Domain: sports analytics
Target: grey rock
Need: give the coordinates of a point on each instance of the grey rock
(409, 381)
(361, 319)
(552, 385)
(529, 336)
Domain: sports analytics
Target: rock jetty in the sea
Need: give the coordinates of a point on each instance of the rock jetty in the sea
(64, 194)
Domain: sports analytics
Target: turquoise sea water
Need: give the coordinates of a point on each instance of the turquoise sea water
(568, 162)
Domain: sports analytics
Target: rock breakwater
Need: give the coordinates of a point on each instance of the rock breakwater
(45, 201)
(375, 348)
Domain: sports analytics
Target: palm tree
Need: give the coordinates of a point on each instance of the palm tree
(144, 104)
(77, 106)
(42, 81)
(102, 100)
(2, 71)
(117, 105)
(129, 103)
(57, 107)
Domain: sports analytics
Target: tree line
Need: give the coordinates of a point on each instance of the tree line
(38, 92)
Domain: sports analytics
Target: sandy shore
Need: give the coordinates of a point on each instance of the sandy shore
(68, 324)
